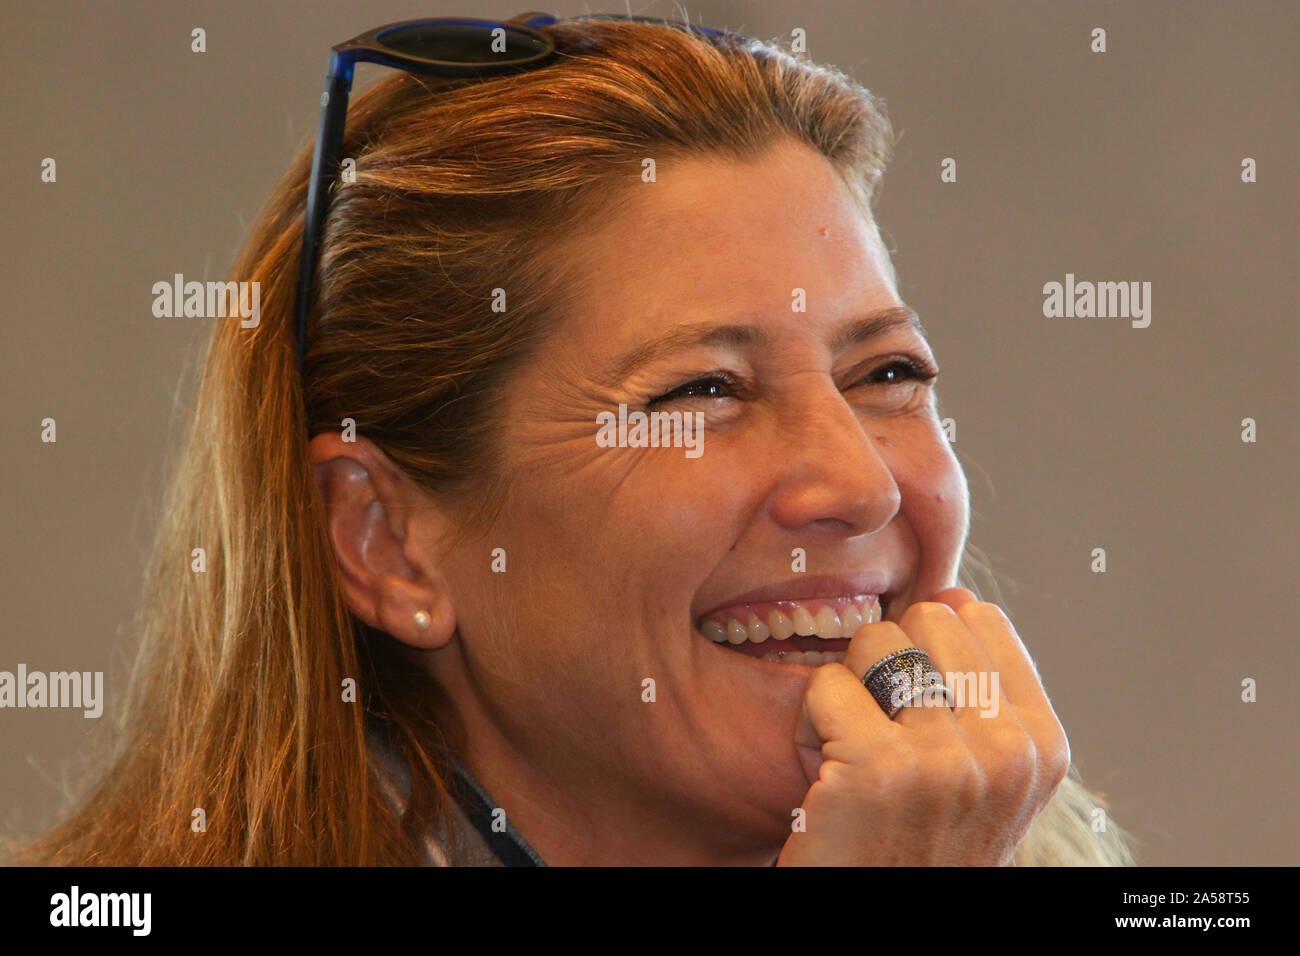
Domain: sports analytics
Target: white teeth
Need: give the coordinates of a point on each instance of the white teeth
(804, 625)
(828, 623)
(736, 633)
(781, 626)
(810, 658)
(713, 631)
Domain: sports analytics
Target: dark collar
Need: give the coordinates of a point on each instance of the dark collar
(508, 845)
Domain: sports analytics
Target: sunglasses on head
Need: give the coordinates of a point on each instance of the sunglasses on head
(445, 47)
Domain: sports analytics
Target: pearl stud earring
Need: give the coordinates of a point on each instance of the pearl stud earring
(422, 619)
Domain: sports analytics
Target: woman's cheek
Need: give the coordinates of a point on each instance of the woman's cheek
(935, 501)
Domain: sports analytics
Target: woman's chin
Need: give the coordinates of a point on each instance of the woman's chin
(758, 703)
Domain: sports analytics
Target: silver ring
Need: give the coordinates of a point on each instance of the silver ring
(898, 679)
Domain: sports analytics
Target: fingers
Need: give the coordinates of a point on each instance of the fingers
(997, 637)
(947, 639)
(873, 642)
(1004, 720)
(972, 644)
(937, 629)
(840, 715)
(998, 758)
(1020, 683)
(954, 597)
(840, 720)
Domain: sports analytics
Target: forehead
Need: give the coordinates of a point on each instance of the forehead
(715, 238)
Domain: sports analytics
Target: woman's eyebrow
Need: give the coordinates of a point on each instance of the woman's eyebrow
(689, 335)
(679, 338)
(878, 323)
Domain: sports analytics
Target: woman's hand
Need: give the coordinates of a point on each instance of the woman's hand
(934, 786)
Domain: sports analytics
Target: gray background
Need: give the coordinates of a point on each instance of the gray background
(1075, 433)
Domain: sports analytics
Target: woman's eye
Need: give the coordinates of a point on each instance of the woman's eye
(711, 386)
(899, 371)
(721, 385)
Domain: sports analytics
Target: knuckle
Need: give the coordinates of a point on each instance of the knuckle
(983, 611)
(882, 631)
(1054, 761)
(926, 614)
(822, 677)
(839, 776)
(1011, 761)
(830, 683)
(872, 642)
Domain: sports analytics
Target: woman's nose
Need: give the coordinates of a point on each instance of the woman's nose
(833, 478)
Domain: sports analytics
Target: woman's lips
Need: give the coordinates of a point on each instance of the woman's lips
(792, 629)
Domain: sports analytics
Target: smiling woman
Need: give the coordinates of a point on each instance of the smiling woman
(556, 640)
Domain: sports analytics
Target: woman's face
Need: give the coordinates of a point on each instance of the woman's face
(757, 283)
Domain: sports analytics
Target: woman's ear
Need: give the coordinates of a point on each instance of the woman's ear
(390, 580)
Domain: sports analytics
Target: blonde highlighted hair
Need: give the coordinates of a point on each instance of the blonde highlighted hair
(460, 187)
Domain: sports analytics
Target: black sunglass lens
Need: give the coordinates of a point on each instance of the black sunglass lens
(464, 43)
